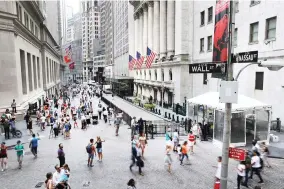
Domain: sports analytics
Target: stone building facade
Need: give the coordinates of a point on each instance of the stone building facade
(31, 65)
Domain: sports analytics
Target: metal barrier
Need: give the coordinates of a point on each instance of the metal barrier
(126, 117)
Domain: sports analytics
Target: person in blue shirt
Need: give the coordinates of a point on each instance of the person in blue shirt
(34, 145)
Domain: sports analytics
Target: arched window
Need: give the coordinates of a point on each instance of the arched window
(156, 75)
(137, 73)
(140, 73)
(170, 75)
(149, 74)
(145, 76)
(162, 75)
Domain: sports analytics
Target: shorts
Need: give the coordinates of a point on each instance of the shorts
(91, 156)
(3, 156)
(20, 158)
(99, 150)
(191, 143)
(169, 143)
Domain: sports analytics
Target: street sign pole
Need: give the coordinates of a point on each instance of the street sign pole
(228, 106)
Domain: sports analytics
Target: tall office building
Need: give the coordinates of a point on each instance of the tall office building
(30, 59)
(90, 35)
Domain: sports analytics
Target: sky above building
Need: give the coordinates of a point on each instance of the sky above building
(72, 7)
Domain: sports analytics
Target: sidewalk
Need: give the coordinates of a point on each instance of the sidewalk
(132, 110)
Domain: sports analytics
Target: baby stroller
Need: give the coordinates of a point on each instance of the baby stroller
(95, 118)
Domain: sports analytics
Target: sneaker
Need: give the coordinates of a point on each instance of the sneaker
(261, 182)
(141, 174)
(2, 170)
(91, 165)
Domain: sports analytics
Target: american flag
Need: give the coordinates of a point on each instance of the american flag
(150, 57)
(68, 51)
(139, 60)
(131, 63)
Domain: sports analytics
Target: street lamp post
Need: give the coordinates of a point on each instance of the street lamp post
(228, 106)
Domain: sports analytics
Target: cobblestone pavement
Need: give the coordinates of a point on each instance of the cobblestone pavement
(113, 172)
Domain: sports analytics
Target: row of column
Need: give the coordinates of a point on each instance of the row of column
(155, 28)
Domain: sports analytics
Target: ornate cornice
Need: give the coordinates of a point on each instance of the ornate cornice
(7, 15)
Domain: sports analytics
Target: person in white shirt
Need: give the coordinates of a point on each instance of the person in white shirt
(256, 166)
(42, 122)
(241, 170)
(218, 172)
(176, 140)
(195, 130)
(57, 175)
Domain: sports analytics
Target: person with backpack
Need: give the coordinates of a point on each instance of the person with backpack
(256, 166)
(90, 148)
(248, 169)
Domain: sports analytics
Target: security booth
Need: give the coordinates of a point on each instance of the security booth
(250, 118)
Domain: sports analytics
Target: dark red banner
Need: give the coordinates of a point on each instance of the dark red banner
(221, 37)
(72, 66)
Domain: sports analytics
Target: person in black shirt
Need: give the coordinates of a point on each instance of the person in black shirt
(99, 148)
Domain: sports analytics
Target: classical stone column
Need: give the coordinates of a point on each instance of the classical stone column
(145, 29)
(150, 24)
(163, 29)
(136, 28)
(170, 28)
(140, 40)
(156, 26)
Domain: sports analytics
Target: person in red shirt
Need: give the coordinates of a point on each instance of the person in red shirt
(191, 139)
(3, 156)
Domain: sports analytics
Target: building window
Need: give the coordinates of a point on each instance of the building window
(259, 80)
(36, 31)
(209, 43)
(235, 40)
(253, 2)
(19, 11)
(149, 74)
(202, 45)
(156, 75)
(26, 19)
(170, 75)
(270, 32)
(32, 26)
(202, 15)
(205, 79)
(253, 32)
(236, 6)
(145, 76)
(210, 14)
(162, 75)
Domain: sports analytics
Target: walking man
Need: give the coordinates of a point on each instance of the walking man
(14, 105)
(91, 152)
(117, 124)
(61, 155)
(6, 126)
(34, 145)
(256, 166)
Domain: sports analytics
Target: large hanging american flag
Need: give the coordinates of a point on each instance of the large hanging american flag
(139, 60)
(68, 51)
(131, 63)
(150, 58)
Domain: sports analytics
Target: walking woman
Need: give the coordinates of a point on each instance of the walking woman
(48, 182)
(3, 156)
(168, 158)
(143, 142)
(99, 148)
(241, 170)
(105, 113)
(131, 184)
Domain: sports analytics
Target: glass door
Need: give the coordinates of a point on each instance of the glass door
(250, 128)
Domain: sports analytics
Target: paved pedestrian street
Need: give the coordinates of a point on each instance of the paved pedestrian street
(113, 172)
